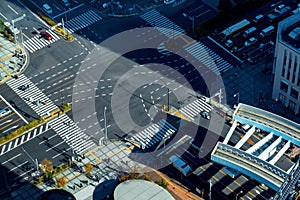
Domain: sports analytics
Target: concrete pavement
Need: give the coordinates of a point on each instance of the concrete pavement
(13, 59)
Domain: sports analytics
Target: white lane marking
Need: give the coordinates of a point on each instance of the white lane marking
(11, 159)
(3, 16)
(13, 9)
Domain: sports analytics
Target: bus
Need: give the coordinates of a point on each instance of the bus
(235, 29)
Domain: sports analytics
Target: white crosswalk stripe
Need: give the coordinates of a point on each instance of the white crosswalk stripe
(72, 134)
(202, 52)
(193, 109)
(26, 137)
(62, 125)
(82, 21)
(154, 134)
(198, 50)
(38, 42)
(162, 23)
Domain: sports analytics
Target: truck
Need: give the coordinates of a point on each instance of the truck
(180, 165)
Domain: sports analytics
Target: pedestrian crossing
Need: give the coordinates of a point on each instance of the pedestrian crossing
(201, 52)
(72, 134)
(24, 138)
(33, 96)
(81, 21)
(38, 42)
(193, 109)
(62, 124)
(162, 23)
(154, 134)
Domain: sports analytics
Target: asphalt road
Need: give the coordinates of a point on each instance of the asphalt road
(18, 165)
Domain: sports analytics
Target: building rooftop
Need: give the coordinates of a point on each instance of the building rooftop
(141, 189)
(289, 30)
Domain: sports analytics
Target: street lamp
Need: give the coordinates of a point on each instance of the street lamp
(192, 18)
(238, 97)
(105, 126)
(22, 40)
(236, 197)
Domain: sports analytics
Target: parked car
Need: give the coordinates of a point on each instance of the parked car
(5, 112)
(250, 41)
(66, 3)
(169, 1)
(281, 9)
(48, 9)
(249, 32)
(46, 35)
(267, 31)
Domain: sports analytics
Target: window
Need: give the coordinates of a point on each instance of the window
(292, 105)
(283, 71)
(293, 80)
(283, 86)
(288, 75)
(284, 60)
(295, 64)
(294, 93)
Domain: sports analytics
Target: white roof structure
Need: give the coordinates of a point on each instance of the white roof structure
(142, 190)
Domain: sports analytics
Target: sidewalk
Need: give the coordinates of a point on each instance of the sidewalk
(13, 59)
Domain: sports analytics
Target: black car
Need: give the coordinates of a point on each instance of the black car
(23, 87)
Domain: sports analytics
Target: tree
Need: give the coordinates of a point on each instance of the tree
(2, 26)
(225, 5)
(88, 168)
(61, 182)
(46, 166)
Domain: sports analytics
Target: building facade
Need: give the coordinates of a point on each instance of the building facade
(286, 66)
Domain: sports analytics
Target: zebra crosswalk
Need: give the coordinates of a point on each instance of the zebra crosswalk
(193, 109)
(24, 138)
(154, 134)
(162, 23)
(33, 96)
(38, 42)
(72, 134)
(62, 124)
(81, 21)
(201, 52)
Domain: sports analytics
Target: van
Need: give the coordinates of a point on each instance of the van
(48, 9)
(180, 165)
(258, 18)
(249, 32)
(5, 112)
(267, 31)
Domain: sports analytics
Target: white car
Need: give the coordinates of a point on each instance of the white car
(48, 9)
(5, 112)
(250, 41)
(169, 1)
